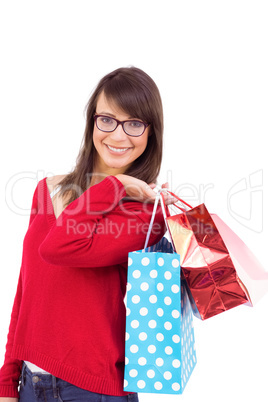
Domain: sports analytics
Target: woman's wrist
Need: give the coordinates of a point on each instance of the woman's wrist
(120, 177)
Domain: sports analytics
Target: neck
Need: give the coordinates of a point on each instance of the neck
(100, 172)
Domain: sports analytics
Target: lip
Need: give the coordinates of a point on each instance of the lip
(117, 153)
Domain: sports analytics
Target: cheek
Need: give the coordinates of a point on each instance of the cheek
(98, 136)
(142, 143)
(94, 136)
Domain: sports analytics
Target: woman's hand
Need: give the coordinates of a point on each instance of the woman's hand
(141, 191)
(4, 399)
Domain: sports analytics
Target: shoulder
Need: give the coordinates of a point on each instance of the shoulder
(53, 181)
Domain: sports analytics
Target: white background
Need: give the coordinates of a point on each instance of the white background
(209, 60)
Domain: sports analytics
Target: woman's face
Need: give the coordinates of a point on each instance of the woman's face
(114, 162)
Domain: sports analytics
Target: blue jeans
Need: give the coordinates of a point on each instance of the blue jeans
(37, 387)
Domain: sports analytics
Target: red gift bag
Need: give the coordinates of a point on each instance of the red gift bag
(212, 272)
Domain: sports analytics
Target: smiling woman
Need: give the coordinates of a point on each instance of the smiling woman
(75, 252)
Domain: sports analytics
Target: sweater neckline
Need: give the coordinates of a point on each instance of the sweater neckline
(49, 206)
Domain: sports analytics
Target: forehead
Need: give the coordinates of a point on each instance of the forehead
(107, 106)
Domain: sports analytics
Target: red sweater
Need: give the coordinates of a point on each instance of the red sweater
(69, 313)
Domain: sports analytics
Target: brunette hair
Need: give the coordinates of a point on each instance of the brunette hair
(134, 92)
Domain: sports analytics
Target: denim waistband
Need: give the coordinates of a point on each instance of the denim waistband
(25, 369)
(56, 388)
(35, 375)
(37, 378)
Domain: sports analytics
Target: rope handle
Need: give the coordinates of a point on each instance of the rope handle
(179, 199)
(160, 196)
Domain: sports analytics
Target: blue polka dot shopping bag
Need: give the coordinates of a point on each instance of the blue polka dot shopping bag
(160, 345)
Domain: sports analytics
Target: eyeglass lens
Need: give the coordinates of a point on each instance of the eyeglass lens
(131, 127)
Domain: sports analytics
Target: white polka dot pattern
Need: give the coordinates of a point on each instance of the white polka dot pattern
(160, 350)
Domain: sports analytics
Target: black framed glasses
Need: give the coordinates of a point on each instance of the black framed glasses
(134, 128)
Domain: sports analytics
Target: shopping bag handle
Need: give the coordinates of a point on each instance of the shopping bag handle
(179, 199)
(160, 196)
(152, 219)
(165, 207)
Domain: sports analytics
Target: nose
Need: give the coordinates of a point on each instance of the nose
(118, 134)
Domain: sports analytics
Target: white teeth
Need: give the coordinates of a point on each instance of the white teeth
(116, 149)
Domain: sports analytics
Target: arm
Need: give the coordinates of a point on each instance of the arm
(11, 370)
(98, 229)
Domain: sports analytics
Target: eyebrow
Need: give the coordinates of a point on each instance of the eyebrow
(112, 115)
(107, 114)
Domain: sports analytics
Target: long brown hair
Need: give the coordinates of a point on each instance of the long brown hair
(135, 93)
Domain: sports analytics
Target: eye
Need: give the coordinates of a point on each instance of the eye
(136, 124)
(106, 120)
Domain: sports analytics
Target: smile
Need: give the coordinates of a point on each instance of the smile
(118, 150)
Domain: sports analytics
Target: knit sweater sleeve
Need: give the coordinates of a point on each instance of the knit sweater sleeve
(11, 369)
(98, 230)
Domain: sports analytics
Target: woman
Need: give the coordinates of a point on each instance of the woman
(66, 336)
